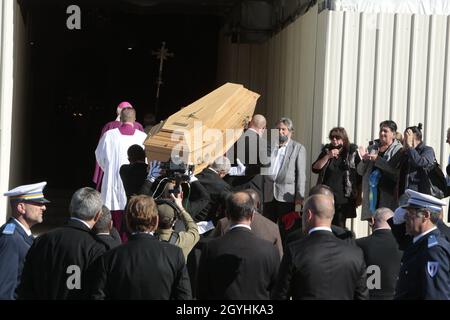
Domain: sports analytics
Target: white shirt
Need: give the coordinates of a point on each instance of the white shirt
(417, 238)
(278, 157)
(111, 154)
(27, 231)
(83, 222)
(319, 229)
(239, 225)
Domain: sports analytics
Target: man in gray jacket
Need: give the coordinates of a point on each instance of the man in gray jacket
(284, 184)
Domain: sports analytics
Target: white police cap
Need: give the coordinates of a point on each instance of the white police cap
(28, 193)
(423, 201)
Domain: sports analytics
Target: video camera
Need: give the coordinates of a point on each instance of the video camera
(177, 172)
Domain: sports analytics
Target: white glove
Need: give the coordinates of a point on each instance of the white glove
(154, 170)
(239, 170)
(399, 215)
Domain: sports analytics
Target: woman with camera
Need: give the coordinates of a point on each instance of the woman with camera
(417, 160)
(336, 166)
(380, 169)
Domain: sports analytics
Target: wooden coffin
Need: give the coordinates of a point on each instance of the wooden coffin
(205, 129)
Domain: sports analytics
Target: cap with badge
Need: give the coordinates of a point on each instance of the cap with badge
(419, 200)
(28, 193)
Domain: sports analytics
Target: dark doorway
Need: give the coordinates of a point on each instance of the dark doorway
(77, 77)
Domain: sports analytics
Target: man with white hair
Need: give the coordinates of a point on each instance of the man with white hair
(425, 269)
(212, 179)
(56, 266)
(382, 256)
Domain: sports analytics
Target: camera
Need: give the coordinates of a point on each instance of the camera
(332, 147)
(178, 173)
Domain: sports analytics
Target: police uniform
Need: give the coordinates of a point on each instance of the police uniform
(425, 269)
(15, 240)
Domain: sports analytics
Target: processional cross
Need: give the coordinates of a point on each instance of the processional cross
(162, 54)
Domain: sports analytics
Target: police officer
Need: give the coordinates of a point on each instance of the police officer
(27, 204)
(425, 269)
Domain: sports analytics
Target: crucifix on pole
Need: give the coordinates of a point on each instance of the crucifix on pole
(162, 54)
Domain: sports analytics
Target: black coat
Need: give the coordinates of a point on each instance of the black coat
(142, 268)
(14, 245)
(133, 176)
(254, 152)
(381, 250)
(261, 226)
(215, 186)
(339, 232)
(321, 266)
(57, 258)
(237, 266)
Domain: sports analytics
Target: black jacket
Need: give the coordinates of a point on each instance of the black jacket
(237, 266)
(142, 268)
(58, 258)
(381, 251)
(254, 152)
(413, 171)
(323, 267)
(215, 186)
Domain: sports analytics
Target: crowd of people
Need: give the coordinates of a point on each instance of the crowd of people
(243, 228)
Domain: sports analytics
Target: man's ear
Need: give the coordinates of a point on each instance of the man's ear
(20, 206)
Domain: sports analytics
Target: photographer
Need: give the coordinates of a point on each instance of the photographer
(169, 212)
(182, 176)
(336, 166)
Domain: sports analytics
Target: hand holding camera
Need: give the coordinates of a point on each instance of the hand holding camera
(178, 199)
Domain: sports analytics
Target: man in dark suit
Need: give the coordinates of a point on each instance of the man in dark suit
(105, 231)
(28, 205)
(261, 226)
(253, 150)
(238, 265)
(382, 256)
(321, 266)
(57, 264)
(212, 179)
(143, 268)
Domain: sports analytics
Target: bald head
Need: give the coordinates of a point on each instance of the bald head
(255, 197)
(258, 122)
(321, 189)
(240, 208)
(380, 218)
(128, 115)
(320, 206)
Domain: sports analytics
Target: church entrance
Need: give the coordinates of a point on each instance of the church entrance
(75, 78)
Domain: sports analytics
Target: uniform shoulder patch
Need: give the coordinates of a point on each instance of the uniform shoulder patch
(9, 228)
(432, 241)
(432, 268)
